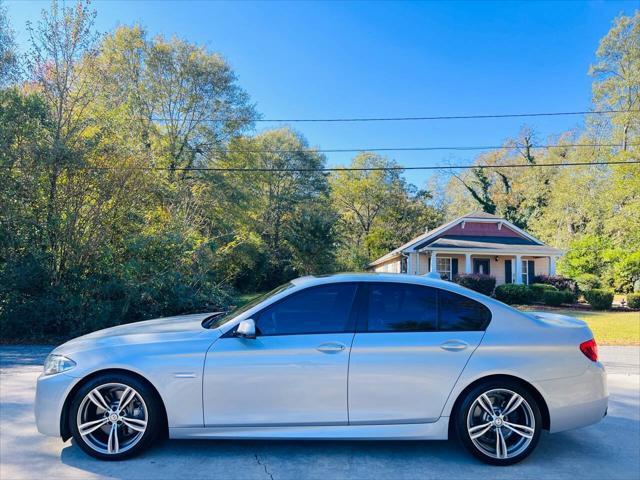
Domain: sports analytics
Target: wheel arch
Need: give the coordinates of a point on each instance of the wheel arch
(544, 408)
(65, 432)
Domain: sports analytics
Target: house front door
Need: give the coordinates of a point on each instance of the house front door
(508, 272)
(481, 265)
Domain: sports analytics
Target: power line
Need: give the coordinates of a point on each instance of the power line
(418, 149)
(335, 169)
(400, 119)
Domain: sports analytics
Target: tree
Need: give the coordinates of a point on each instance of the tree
(8, 55)
(617, 77)
(378, 209)
(285, 204)
(184, 101)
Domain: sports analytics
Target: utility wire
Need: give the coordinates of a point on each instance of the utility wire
(417, 149)
(335, 169)
(400, 119)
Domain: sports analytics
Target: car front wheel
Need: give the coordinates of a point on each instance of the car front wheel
(115, 416)
(499, 422)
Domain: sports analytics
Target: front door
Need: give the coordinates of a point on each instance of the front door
(508, 272)
(407, 356)
(294, 372)
(481, 266)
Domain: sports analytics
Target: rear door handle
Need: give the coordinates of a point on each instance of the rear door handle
(454, 345)
(330, 347)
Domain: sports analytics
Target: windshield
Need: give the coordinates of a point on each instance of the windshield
(220, 319)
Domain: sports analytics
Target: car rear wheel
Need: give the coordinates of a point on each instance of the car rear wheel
(499, 422)
(115, 416)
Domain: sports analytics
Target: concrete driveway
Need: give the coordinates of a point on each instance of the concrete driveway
(609, 449)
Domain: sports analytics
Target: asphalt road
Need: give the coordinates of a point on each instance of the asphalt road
(609, 449)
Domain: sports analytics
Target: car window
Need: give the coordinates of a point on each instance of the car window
(220, 319)
(403, 307)
(460, 313)
(320, 309)
(394, 307)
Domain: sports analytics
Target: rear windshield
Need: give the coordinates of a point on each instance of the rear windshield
(220, 319)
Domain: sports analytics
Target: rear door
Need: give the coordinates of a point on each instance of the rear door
(409, 350)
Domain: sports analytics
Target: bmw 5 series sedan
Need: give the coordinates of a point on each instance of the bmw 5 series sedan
(350, 356)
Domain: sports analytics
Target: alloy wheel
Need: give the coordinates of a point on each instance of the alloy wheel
(112, 418)
(501, 423)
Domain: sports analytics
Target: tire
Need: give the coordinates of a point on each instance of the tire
(110, 432)
(510, 433)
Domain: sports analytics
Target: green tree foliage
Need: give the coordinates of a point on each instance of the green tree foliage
(90, 236)
(281, 218)
(378, 210)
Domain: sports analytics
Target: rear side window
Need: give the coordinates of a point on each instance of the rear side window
(321, 309)
(397, 307)
(460, 313)
(402, 307)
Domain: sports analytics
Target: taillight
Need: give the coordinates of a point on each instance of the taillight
(590, 350)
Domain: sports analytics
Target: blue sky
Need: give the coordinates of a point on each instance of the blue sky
(359, 59)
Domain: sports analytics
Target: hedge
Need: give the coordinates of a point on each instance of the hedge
(513, 293)
(475, 281)
(556, 298)
(599, 299)
(538, 290)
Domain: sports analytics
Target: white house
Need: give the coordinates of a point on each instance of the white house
(475, 243)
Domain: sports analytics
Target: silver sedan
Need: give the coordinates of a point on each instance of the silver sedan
(352, 356)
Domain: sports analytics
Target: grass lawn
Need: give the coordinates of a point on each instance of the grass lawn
(609, 328)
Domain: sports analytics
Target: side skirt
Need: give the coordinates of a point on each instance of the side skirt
(437, 430)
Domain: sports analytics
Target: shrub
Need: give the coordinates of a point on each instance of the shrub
(587, 281)
(556, 298)
(553, 298)
(633, 300)
(558, 281)
(537, 290)
(599, 299)
(512, 293)
(570, 297)
(475, 281)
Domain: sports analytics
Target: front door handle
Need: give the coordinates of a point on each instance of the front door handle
(454, 345)
(330, 347)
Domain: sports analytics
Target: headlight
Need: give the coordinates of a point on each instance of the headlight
(57, 364)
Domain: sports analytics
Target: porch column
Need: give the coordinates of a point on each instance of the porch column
(433, 262)
(467, 263)
(552, 265)
(518, 269)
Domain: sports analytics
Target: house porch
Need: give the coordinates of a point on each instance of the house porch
(504, 267)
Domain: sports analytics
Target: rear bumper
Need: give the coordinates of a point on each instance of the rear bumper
(576, 402)
(51, 392)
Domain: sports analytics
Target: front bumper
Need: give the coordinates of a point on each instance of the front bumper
(51, 393)
(576, 402)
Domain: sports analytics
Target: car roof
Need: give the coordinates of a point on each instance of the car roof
(371, 277)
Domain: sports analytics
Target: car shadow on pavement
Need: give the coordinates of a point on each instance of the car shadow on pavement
(555, 457)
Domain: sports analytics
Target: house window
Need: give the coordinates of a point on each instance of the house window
(525, 272)
(443, 267)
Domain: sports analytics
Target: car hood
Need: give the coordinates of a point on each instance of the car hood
(149, 331)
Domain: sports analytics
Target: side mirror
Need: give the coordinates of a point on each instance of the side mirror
(246, 329)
